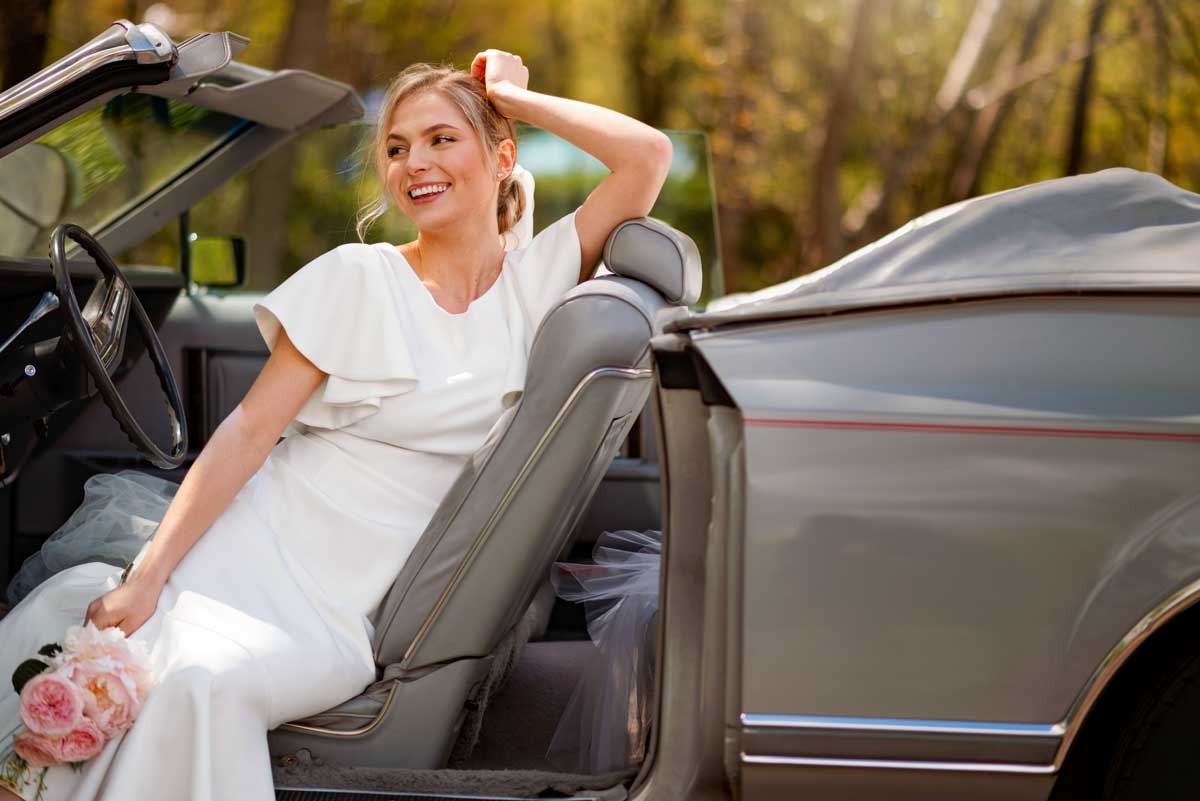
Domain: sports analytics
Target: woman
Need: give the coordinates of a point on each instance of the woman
(388, 367)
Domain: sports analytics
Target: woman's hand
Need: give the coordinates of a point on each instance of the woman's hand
(500, 73)
(127, 607)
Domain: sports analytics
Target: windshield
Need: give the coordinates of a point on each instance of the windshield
(93, 168)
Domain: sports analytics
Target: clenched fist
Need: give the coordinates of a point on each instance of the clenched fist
(127, 607)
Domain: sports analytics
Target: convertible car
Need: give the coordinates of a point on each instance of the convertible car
(931, 515)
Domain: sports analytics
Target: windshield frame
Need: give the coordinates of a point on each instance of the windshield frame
(95, 171)
(211, 80)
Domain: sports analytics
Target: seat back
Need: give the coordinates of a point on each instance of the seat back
(510, 511)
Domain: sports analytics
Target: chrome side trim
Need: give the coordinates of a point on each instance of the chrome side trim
(383, 710)
(905, 725)
(1151, 622)
(1066, 730)
(627, 373)
(887, 764)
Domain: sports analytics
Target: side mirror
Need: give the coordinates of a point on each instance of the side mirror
(217, 261)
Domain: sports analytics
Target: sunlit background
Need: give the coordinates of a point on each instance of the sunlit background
(816, 126)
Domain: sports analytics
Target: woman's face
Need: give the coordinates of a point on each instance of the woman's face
(436, 169)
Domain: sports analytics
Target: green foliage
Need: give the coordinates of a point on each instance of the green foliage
(26, 671)
(758, 79)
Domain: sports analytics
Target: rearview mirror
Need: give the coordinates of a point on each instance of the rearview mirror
(217, 261)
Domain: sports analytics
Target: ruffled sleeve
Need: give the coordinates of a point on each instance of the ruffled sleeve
(547, 268)
(336, 312)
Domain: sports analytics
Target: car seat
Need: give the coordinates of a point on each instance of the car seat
(450, 625)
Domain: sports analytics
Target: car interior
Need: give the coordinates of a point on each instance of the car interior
(476, 656)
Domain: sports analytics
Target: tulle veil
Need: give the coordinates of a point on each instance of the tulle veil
(119, 514)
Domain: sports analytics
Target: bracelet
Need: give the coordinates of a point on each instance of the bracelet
(125, 573)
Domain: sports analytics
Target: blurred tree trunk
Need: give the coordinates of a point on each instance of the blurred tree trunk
(826, 239)
(1083, 93)
(1156, 142)
(558, 78)
(869, 215)
(26, 26)
(735, 132)
(269, 186)
(991, 118)
(653, 67)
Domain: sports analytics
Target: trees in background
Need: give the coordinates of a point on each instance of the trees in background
(24, 30)
(830, 121)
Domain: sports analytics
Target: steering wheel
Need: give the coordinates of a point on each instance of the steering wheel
(97, 334)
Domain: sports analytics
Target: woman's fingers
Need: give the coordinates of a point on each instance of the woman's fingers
(99, 614)
(492, 66)
(479, 66)
(480, 63)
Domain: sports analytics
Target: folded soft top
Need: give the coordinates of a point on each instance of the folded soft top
(1116, 230)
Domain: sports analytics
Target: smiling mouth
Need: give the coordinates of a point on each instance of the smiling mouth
(427, 193)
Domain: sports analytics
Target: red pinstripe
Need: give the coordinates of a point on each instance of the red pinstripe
(946, 428)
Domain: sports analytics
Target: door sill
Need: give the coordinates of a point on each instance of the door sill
(319, 794)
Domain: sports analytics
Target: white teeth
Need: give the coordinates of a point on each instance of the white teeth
(427, 190)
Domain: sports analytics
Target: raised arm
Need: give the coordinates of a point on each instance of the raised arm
(637, 155)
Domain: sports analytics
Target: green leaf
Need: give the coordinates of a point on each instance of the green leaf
(26, 671)
(50, 649)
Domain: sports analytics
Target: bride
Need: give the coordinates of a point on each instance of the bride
(388, 367)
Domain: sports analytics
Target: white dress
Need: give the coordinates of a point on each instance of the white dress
(265, 618)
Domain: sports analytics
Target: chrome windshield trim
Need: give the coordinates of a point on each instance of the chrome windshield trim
(1151, 622)
(144, 44)
(907, 725)
(889, 764)
(149, 43)
(38, 86)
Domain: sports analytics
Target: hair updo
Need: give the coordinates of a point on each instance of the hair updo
(468, 94)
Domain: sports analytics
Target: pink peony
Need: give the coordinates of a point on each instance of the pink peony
(51, 704)
(35, 749)
(83, 743)
(108, 649)
(109, 699)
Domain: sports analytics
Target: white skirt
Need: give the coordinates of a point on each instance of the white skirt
(242, 640)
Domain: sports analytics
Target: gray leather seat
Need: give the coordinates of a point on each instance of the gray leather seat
(451, 618)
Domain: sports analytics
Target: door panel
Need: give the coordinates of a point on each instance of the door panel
(953, 515)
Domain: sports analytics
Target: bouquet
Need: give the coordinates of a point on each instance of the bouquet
(77, 697)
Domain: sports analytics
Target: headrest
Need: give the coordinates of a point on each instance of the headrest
(656, 254)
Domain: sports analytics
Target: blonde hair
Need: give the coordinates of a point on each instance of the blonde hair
(465, 92)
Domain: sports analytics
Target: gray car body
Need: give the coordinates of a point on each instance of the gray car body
(972, 486)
